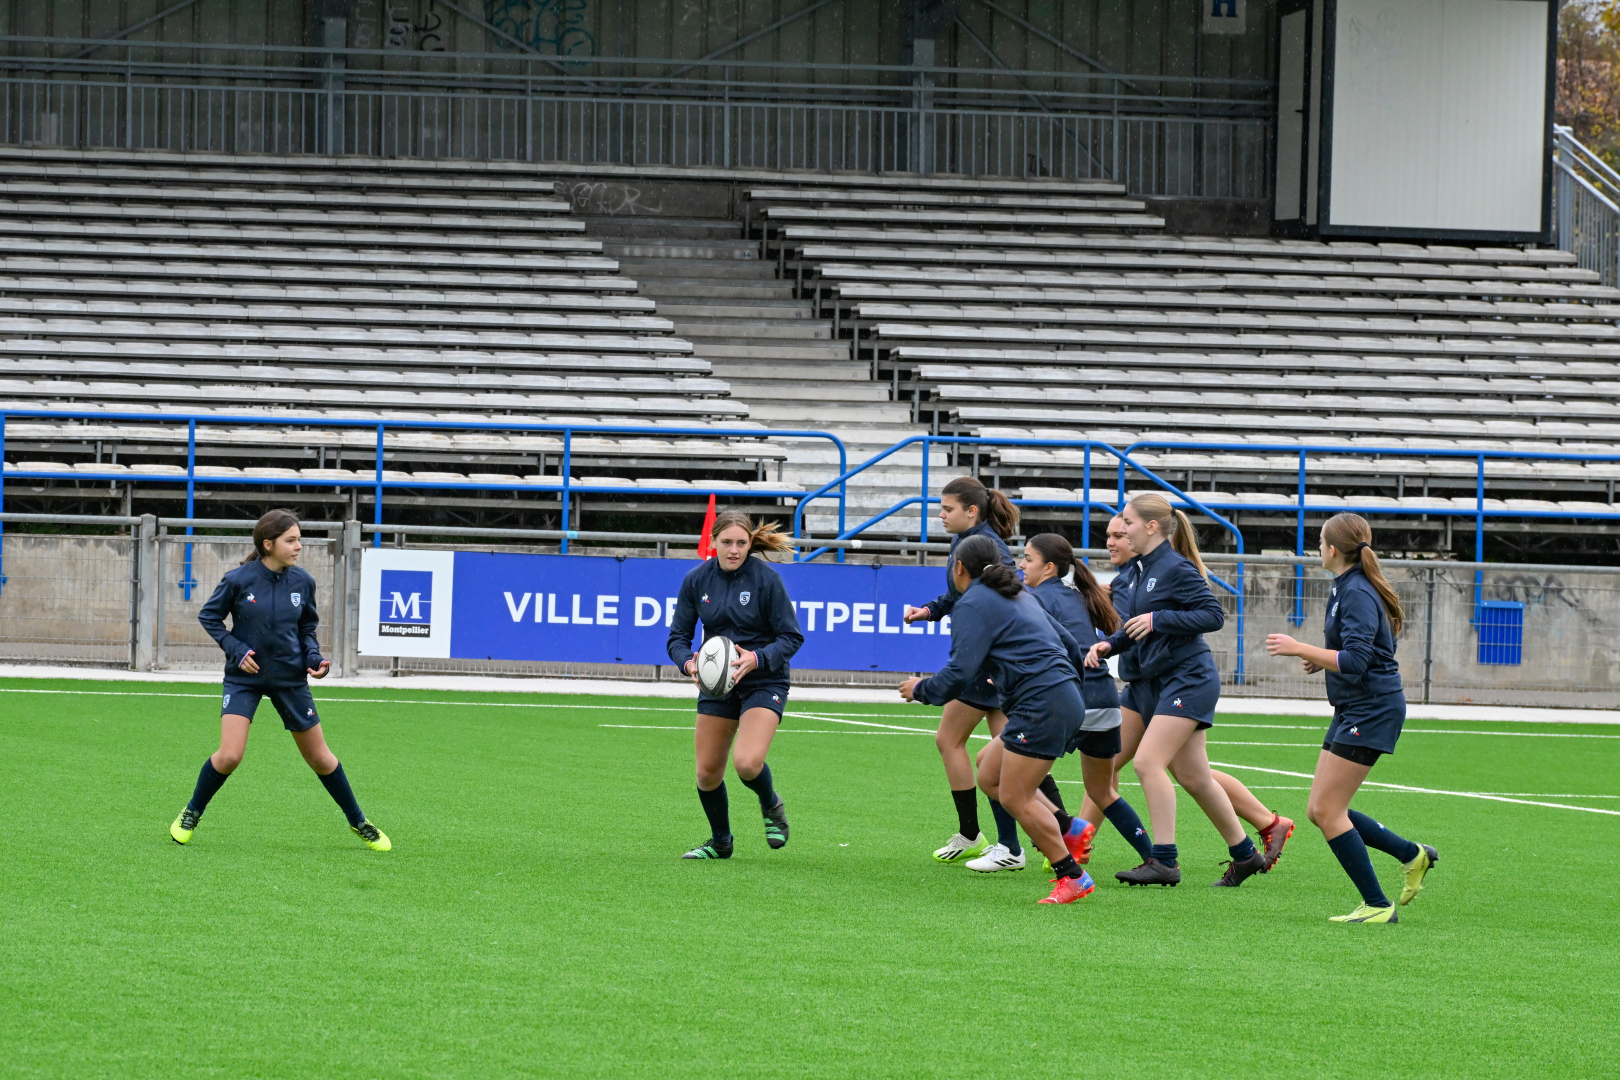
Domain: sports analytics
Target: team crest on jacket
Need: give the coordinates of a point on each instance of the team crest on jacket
(1152, 581)
(705, 598)
(742, 597)
(296, 599)
(1335, 612)
(250, 599)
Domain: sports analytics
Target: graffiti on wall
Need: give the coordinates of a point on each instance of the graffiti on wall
(414, 25)
(548, 26)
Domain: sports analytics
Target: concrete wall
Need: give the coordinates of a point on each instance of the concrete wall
(68, 598)
(1139, 37)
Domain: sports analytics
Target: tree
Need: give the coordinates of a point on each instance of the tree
(1588, 74)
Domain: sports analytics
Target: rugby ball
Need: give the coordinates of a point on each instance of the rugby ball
(714, 670)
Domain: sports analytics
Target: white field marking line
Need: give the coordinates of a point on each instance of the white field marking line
(780, 731)
(1224, 742)
(1431, 791)
(377, 701)
(862, 723)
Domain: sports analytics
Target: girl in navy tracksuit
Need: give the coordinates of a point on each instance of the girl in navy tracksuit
(743, 599)
(1274, 829)
(1176, 688)
(270, 652)
(1086, 611)
(966, 509)
(1364, 687)
(997, 624)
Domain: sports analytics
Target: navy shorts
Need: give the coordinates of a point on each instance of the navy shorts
(295, 704)
(982, 696)
(770, 695)
(1191, 692)
(1098, 744)
(1043, 724)
(1365, 730)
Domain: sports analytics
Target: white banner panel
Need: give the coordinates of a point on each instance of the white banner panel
(405, 607)
(1439, 115)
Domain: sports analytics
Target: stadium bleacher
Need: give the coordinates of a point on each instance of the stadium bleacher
(1118, 332)
(358, 294)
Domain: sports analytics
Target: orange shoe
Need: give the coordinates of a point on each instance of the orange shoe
(1079, 843)
(1275, 836)
(1066, 890)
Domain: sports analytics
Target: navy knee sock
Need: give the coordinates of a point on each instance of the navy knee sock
(1352, 855)
(967, 812)
(1006, 828)
(337, 786)
(718, 811)
(1242, 850)
(761, 786)
(1165, 853)
(1123, 817)
(1375, 835)
(1049, 788)
(209, 781)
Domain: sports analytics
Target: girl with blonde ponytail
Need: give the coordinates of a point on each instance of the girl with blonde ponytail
(1363, 620)
(1175, 689)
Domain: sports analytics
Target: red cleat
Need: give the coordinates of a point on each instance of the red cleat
(1066, 890)
(1275, 836)
(1079, 843)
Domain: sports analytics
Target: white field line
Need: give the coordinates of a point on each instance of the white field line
(1430, 791)
(782, 731)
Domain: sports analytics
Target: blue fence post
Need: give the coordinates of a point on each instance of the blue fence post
(187, 582)
(2, 497)
(1479, 535)
(1085, 499)
(924, 504)
(567, 469)
(377, 490)
(843, 491)
(1298, 618)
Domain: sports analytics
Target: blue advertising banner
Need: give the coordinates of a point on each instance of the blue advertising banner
(592, 609)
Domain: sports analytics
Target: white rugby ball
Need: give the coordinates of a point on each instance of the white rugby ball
(714, 670)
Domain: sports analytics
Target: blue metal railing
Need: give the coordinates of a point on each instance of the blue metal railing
(566, 485)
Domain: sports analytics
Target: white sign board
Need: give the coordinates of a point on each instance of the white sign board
(405, 602)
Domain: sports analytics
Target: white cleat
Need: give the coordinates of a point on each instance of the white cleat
(961, 847)
(997, 858)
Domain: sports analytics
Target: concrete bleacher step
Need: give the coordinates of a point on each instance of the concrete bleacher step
(662, 228)
(685, 310)
(695, 290)
(850, 371)
(748, 348)
(706, 249)
(653, 268)
(745, 328)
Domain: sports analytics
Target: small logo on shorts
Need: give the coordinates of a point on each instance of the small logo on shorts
(1355, 731)
(776, 698)
(743, 598)
(226, 703)
(296, 598)
(1020, 737)
(309, 712)
(705, 598)
(1152, 581)
(1176, 704)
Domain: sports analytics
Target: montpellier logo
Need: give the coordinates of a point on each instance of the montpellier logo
(405, 607)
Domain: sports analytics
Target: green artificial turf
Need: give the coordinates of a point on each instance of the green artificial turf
(533, 919)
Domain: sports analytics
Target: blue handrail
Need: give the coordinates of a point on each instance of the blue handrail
(566, 484)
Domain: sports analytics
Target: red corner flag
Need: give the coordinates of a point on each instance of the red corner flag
(705, 551)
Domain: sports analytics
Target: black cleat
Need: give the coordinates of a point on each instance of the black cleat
(712, 848)
(776, 826)
(1152, 872)
(1240, 870)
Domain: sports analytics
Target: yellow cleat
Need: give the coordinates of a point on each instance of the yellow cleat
(184, 825)
(1365, 913)
(375, 838)
(1415, 872)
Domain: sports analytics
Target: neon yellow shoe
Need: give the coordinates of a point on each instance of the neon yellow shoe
(1366, 913)
(960, 848)
(1415, 871)
(375, 838)
(184, 825)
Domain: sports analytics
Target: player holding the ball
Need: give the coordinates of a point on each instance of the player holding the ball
(749, 620)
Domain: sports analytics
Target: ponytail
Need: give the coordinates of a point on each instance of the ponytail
(766, 536)
(991, 503)
(981, 558)
(1352, 536)
(1174, 524)
(1057, 550)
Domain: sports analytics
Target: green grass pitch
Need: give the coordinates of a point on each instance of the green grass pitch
(533, 919)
